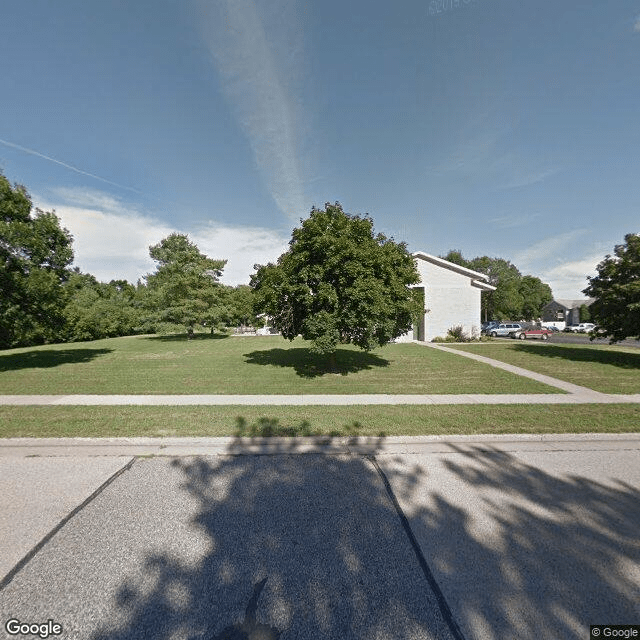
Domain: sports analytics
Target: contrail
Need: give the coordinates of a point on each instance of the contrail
(64, 164)
(259, 76)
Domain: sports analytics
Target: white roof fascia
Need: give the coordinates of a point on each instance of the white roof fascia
(482, 285)
(451, 266)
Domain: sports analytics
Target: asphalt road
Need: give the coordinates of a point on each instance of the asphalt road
(389, 539)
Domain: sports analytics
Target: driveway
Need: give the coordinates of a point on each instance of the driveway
(456, 537)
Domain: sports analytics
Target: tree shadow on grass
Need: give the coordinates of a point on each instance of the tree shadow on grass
(183, 337)
(583, 354)
(47, 358)
(310, 365)
(268, 427)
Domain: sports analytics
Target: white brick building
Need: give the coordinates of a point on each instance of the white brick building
(451, 298)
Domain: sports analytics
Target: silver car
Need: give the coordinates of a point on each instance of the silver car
(505, 329)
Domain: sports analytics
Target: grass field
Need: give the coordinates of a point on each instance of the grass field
(313, 420)
(244, 365)
(271, 365)
(604, 368)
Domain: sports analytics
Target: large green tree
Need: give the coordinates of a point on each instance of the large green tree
(515, 297)
(184, 290)
(97, 310)
(35, 253)
(339, 283)
(241, 305)
(616, 290)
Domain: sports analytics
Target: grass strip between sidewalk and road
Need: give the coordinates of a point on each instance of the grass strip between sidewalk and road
(603, 368)
(74, 421)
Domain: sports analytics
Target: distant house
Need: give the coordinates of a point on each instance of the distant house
(564, 312)
(451, 298)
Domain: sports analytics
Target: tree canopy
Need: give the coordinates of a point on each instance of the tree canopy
(616, 289)
(516, 296)
(35, 253)
(339, 283)
(184, 290)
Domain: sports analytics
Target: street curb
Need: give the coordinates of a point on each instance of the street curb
(324, 445)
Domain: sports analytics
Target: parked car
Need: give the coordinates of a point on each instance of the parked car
(542, 334)
(551, 327)
(487, 326)
(583, 327)
(505, 329)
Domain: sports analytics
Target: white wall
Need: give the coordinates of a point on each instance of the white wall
(451, 300)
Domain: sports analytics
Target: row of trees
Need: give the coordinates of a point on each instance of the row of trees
(516, 297)
(44, 300)
(338, 283)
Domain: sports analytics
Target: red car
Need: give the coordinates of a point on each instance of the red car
(542, 334)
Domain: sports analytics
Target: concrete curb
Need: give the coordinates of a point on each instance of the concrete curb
(327, 445)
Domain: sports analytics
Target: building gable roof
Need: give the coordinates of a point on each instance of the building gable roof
(477, 279)
(573, 304)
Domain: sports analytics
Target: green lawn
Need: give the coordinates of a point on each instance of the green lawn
(244, 365)
(313, 420)
(604, 368)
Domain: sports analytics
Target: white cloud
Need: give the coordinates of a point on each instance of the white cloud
(260, 85)
(567, 280)
(563, 261)
(112, 238)
(111, 241)
(243, 247)
(636, 25)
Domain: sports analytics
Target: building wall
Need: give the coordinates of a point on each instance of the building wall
(451, 300)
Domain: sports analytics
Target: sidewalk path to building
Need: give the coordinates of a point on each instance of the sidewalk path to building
(451, 537)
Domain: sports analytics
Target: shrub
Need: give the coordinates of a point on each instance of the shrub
(457, 334)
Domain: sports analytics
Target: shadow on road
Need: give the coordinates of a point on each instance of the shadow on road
(310, 365)
(583, 354)
(47, 358)
(311, 546)
(542, 556)
(295, 546)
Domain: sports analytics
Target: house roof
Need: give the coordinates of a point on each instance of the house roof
(573, 304)
(477, 279)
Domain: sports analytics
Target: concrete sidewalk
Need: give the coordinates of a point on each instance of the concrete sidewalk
(585, 396)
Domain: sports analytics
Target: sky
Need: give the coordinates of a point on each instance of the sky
(507, 128)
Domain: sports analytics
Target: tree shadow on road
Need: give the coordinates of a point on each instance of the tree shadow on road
(540, 555)
(274, 539)
(47, 358)
(310, 365)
